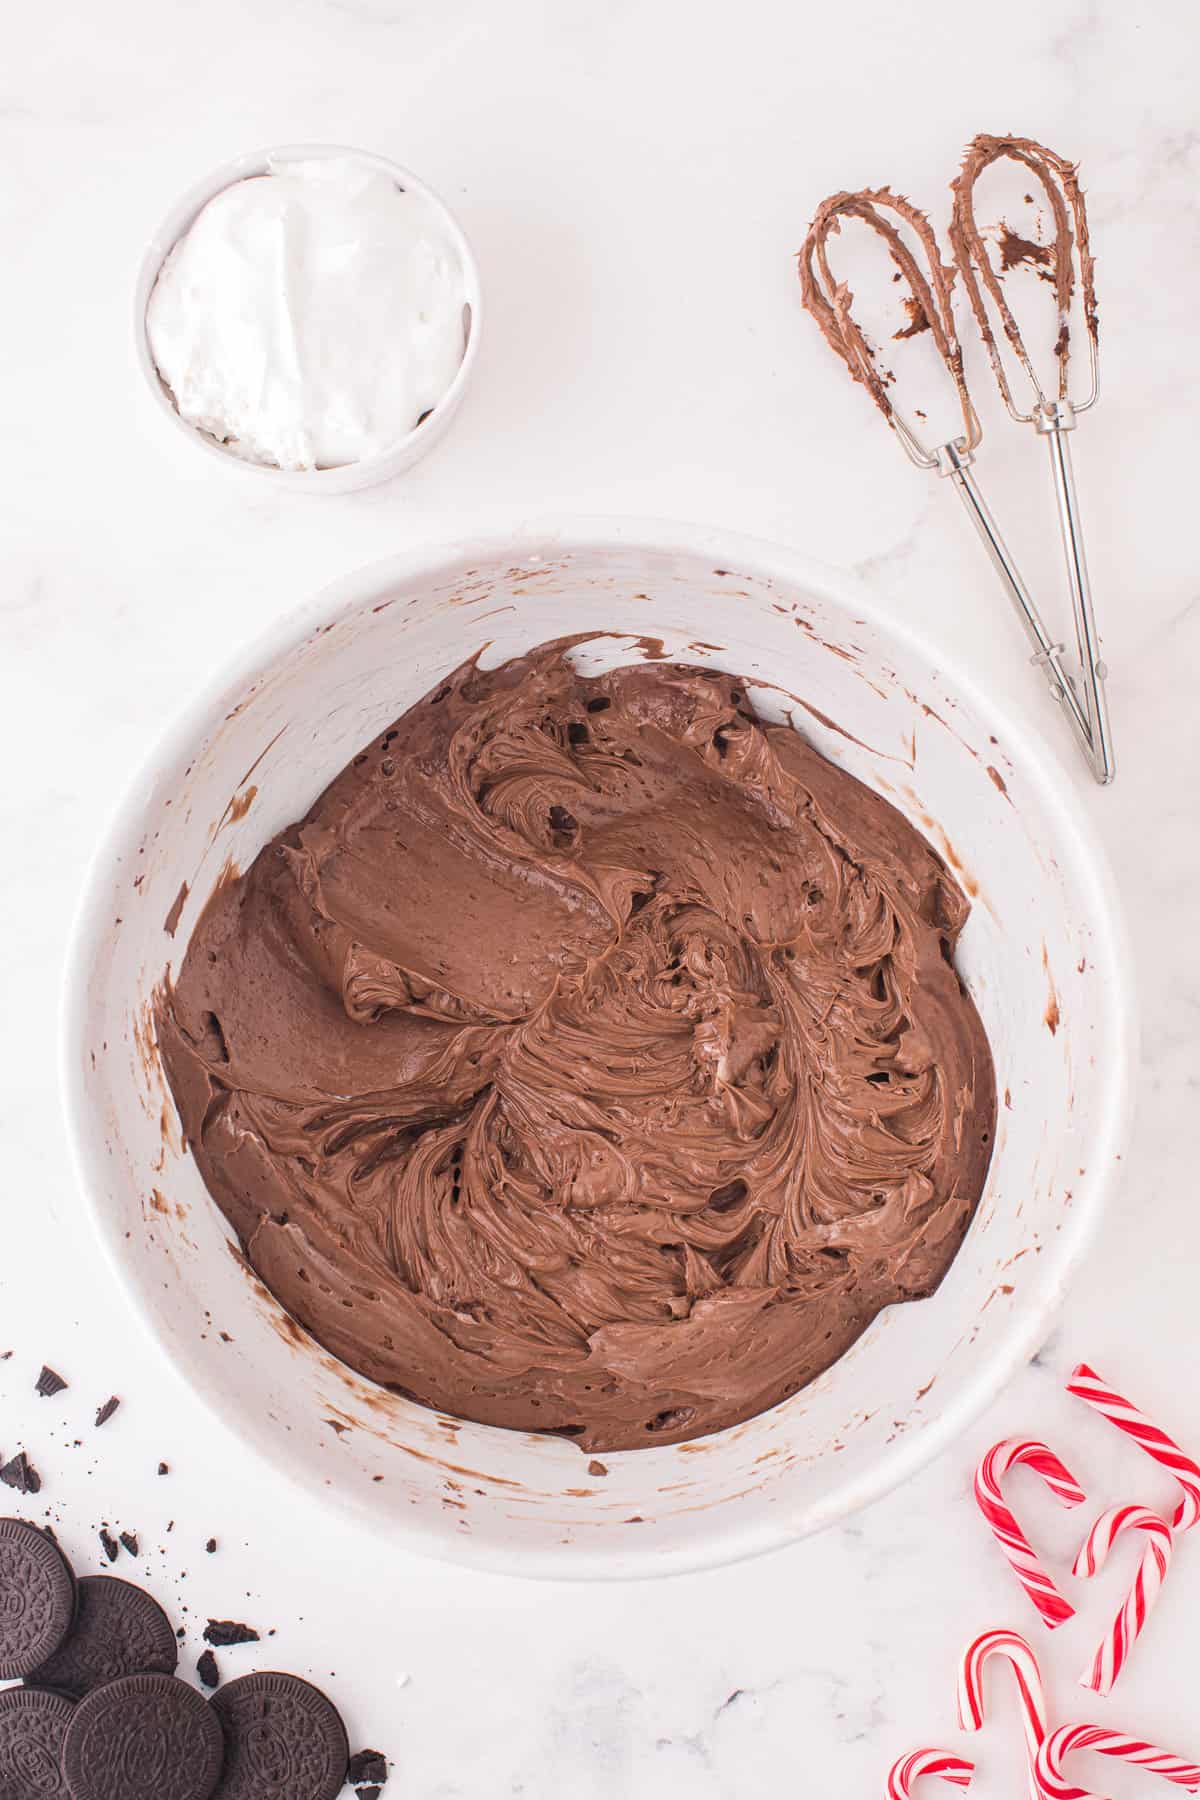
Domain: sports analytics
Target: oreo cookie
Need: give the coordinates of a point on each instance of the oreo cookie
(284, 1740)
(37, 1597)
(33, 1725)
(119, 1630)
(144, 1737)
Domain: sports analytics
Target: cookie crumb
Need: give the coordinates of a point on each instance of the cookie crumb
(49, 1382)
(223, 1632)
(21, 1474)
(211, 1545)
(207, 1670)
(367, 1765)
(129, 1539)
(109, 1544)
(105, 1412)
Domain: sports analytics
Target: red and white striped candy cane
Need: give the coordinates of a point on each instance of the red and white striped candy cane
(1012, 1648)
(1055, 1610)
(1134, 1751)
(1087, 1385)
(1126, 1628)
(907, 1769)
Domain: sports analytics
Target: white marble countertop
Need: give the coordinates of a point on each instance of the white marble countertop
(634, 179)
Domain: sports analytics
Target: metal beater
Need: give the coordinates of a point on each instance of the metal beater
(929, 306)
(1053, 418)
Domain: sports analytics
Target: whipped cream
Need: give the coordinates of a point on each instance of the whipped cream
(309, 317)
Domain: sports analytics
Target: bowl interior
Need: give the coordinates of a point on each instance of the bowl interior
(1041, 954)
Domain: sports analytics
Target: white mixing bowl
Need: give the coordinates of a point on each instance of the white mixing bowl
(1043, 955)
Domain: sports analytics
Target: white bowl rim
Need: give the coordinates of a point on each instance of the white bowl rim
(531, 541)
(180, 217)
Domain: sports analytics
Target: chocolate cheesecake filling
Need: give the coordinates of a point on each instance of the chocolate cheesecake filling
(590, 1059)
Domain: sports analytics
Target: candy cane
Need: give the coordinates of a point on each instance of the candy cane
(1087, 1385)
(1109, 1743)
(907, 1769)
(1129, 1623)
(1012, 1648)
(1054, 1609)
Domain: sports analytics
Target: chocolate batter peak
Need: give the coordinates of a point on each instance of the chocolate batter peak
(590, 1059)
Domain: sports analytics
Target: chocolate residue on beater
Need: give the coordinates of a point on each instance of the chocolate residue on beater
(590, 1059)
(928, 304)
(1016, 250)
(918, 320)
(1059, 182)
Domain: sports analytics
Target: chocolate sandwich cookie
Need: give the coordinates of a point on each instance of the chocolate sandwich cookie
(37, 1597)
(284, 1740)
(33, 1724)
(119, 1630)
(144, 1737)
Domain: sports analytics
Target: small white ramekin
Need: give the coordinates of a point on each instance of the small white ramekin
(346, 477)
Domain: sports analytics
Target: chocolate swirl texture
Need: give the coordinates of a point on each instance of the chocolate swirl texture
(590, 1059)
